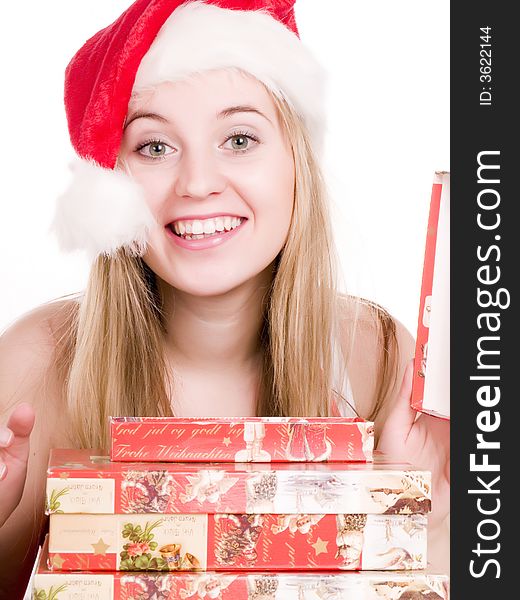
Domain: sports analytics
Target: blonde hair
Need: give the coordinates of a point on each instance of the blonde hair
(111, 355)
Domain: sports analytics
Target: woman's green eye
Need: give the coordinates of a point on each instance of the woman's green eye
(239, 142)
(157, 149)
(154, 149)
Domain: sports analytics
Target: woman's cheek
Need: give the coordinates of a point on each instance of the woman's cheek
(158, 191)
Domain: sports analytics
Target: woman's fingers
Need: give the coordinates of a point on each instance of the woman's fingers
(14, 454)
(21, 420)
(20, 423)
(6, 437)
(14, 439)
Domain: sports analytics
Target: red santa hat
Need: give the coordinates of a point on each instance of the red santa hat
(152, 42)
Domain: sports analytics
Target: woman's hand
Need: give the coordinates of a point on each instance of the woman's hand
(14, 455)
(423, 441)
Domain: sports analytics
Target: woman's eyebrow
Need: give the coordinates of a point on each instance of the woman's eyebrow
(227, 112)
(144, 115)
(223, 114)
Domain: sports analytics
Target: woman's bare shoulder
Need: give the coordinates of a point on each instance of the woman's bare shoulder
(27, 352)
(366, 318)
(369, 336)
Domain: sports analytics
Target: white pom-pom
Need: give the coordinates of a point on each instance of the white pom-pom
(101, 211)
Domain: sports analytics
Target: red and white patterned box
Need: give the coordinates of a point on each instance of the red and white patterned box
(246, 439)
(226, 585)
(236, 542)
(431, 382)
(83, 481)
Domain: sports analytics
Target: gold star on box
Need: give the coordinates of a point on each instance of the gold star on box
(320, 546)
(100, 548)
(57, 562)
(226, 441)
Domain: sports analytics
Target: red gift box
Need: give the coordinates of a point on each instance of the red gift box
(431, 382)
(293, 585)
(237, 542)
(85, 481)
(241, 439)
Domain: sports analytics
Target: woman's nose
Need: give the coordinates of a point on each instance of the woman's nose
(199, 174)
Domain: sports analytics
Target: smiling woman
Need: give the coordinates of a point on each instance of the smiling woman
(200, 174)
(199, 196)
(227, 289)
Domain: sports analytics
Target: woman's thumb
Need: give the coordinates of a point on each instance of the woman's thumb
(21, 420)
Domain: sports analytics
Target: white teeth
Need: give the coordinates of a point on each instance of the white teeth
(196, 228)
(209, 226)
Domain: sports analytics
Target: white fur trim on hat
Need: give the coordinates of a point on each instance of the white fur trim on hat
(198, 37)
(101, 211)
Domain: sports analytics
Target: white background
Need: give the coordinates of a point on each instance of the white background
(388, 131)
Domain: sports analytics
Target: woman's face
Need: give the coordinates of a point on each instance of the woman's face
(214, 165)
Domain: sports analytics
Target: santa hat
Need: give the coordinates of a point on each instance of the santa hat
(152, 42)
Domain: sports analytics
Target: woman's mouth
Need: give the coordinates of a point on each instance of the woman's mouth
(198, 229)
(199, 234)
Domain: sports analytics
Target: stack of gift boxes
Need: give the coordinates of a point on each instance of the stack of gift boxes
(237, 509)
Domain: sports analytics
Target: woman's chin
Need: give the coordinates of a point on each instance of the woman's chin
(205, 289)
(218, 278)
